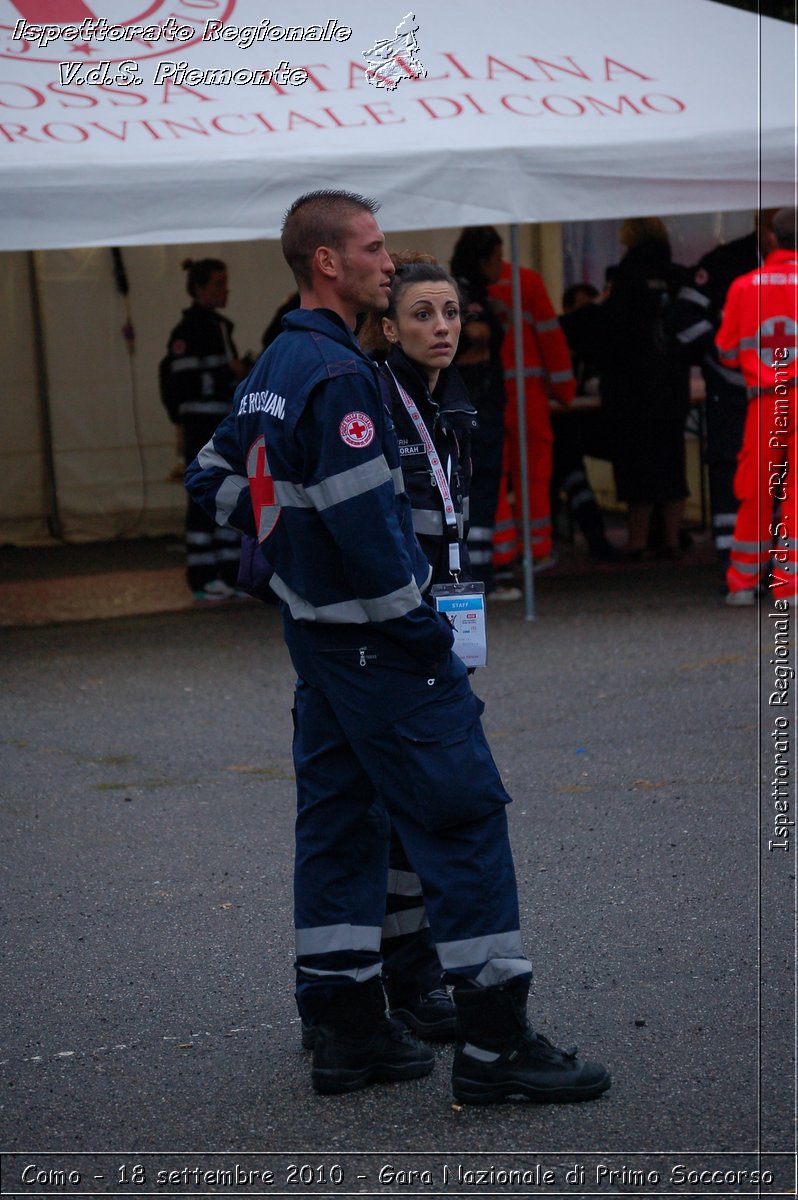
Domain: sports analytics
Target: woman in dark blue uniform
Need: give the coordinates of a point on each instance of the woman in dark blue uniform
(416, 341)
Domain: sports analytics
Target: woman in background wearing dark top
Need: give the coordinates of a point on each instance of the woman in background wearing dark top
(645, 385)
(476, 264)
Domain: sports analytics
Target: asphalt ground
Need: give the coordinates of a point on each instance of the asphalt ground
(147, 799)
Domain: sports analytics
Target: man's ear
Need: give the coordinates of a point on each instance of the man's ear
(327, 262)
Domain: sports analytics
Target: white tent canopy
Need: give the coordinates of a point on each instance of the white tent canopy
(528, 111)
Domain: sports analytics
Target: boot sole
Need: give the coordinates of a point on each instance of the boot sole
(339, 1080)
(469, 1091)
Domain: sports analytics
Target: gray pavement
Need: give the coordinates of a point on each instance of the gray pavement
(147, 798)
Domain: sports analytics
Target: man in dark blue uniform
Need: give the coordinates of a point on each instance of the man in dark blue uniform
(386, 723)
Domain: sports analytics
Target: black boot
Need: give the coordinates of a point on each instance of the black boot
(357, 1043)
(498, 1055)
(427, 1010)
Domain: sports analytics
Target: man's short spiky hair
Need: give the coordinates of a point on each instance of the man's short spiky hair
(319, 219)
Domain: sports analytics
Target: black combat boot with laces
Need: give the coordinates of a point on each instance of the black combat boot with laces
(356, 1043)
(498, 1057)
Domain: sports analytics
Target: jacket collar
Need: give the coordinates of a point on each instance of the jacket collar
(450, 393)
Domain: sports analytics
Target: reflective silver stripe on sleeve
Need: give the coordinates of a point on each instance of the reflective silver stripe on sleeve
(291, 495)
(398, 480)
(471, 952)
(694, 331)
(209, 407)
(228, 496)
(528, 373)
(695, 297)
(350, 612)
(735, 378)
(327, 939)
(348, 484)
(729, 355)
(561, 376)
(410, 920)
(750, 547)
(191, 363)
(547, 326)
(403, 883)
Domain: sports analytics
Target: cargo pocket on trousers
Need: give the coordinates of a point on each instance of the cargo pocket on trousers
(446, 774)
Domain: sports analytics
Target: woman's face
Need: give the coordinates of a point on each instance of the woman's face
(214, 292)
(427, 324)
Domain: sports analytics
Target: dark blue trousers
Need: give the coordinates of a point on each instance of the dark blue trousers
(378, 742)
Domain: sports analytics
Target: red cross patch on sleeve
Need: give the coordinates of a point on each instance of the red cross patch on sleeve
(261, 489)
(357, 430)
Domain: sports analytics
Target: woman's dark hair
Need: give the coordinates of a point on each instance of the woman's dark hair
(474, 244)
(411, 267)
(423, 269)
(199, 272)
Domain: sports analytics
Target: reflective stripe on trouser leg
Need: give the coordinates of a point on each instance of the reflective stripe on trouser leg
(200, 553)
(766, 525)
(408, 951)
(341, 858)
(539, 463)
(506, 544)
(451, 822)
(227, 548)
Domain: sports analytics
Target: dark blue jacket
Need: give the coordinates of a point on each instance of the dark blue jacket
(308, 462)
(450, 418)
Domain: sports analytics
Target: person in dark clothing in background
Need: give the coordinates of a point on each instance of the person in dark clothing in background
(569, 474)
(697, 316)
(476, 264)
(198, 377)
(645, 385)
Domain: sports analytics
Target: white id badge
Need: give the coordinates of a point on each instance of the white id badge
(463, 605)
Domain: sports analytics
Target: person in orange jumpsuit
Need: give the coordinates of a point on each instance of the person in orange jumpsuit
(547, 375)
(759, 334)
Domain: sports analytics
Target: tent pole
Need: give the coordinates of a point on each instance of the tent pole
(520, 388)
(43, 393)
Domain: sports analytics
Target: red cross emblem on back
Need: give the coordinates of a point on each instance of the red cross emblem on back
(777, 335)
(261, 489)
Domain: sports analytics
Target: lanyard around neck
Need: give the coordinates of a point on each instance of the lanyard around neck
(450, 516)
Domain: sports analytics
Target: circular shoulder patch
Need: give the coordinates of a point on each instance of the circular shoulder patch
(701, 276)
(178, 347)
(357, 430)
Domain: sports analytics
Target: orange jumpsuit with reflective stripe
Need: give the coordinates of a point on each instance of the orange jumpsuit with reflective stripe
(547, 373)
(758, 335)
